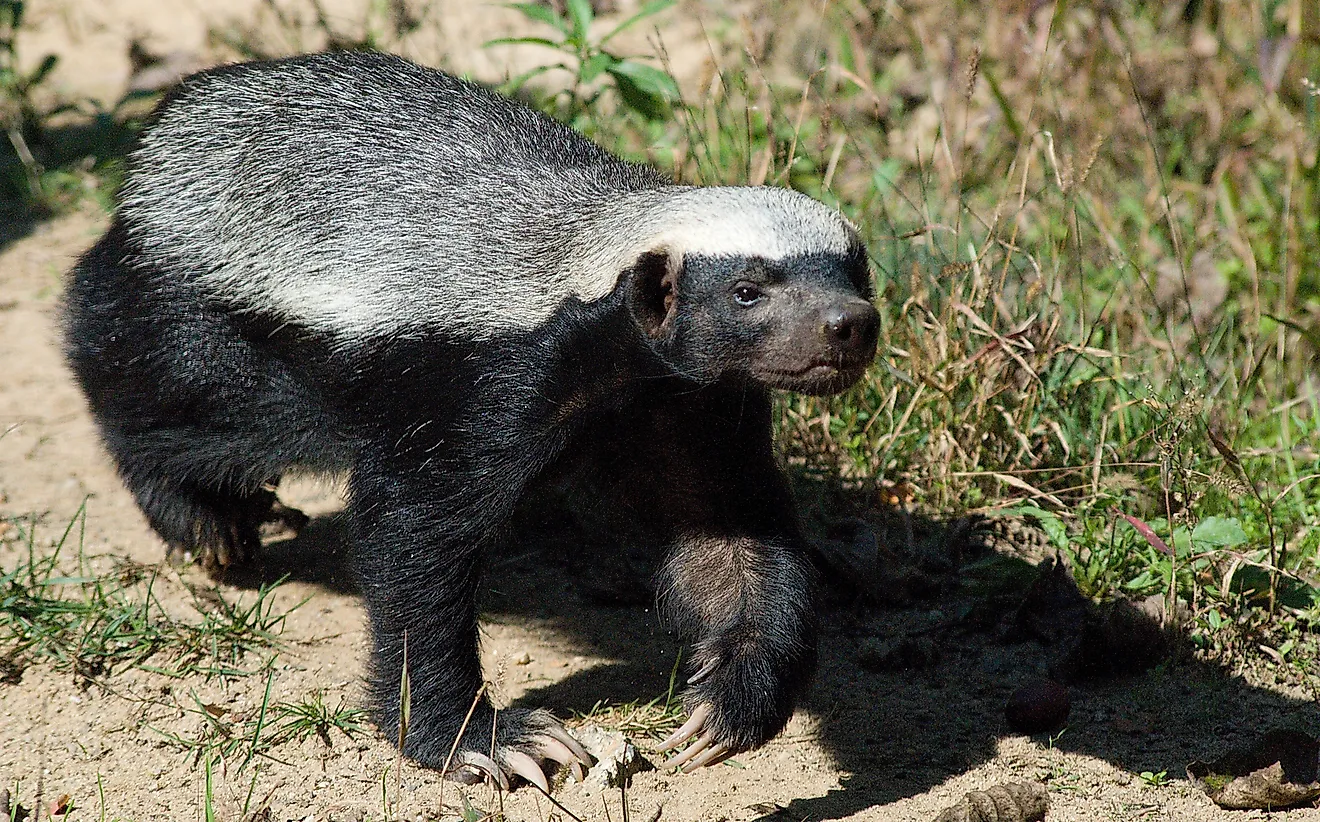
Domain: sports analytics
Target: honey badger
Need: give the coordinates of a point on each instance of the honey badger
(350, 263)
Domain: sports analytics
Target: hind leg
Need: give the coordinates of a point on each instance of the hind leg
(218, 528)
(200, 423)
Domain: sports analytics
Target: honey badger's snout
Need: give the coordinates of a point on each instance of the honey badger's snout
(821, 343)
(849, 328)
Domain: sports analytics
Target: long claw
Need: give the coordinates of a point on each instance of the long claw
(691, 751)
(526, 767)
(704, 671)
(560, 753)
(572, 744)
(713, 754)
(688, 730)
(485, 764)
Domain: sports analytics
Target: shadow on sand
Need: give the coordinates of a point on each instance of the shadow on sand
(896, 724)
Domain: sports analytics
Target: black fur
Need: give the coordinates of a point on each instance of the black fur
(658, 390)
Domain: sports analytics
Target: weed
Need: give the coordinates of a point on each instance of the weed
(1155, 779)
(642, 88)
(236, 739)
(92, 623)
(312, 717)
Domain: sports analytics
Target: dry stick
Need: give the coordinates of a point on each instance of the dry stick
(495, 786)
(1099, 456)
(556, 803)
(405, 712)
(833, 163)
(797, 125)
(623, 796)
(462, 729)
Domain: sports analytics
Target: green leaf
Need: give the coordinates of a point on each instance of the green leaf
(653, 7)
(644, 89)
(1142, 580)
(522, 41)
(542, 14)
(1049, 522)
(649, 79)
(1225, 532)
(1005, 107)
(579, 11)
(1181, 540)
(594, 65)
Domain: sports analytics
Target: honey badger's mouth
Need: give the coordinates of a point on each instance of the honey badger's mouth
(820, 376)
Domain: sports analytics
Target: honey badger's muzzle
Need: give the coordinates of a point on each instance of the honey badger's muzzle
(826, 350)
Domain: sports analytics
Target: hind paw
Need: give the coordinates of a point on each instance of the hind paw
(227, 533)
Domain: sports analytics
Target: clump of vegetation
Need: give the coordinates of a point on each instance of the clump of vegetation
(641, 88)
(236, 739)
(93, 623)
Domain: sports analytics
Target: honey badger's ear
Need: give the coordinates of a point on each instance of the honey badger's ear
(653, 290)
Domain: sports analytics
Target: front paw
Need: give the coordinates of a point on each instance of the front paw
(737, 703)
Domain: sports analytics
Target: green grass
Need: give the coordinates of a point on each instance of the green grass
(56, 608)
(237, 739)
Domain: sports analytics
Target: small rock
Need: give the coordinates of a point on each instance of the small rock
(1039, 706)
(616, 757)
(523, 659)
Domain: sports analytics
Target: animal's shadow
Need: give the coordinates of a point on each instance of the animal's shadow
(902, 701)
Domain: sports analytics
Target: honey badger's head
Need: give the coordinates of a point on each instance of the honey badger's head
(758, 283)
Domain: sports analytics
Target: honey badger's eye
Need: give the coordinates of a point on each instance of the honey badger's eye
(747, 294)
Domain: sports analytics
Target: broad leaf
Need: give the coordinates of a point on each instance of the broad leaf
(581, 15)
(1225, 532)
(594, 65)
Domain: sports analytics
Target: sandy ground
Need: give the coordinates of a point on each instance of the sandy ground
(869, 744)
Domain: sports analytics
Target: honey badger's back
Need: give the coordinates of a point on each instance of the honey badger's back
(361, 195)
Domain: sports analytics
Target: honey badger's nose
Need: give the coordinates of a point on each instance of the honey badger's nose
(850, 327)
